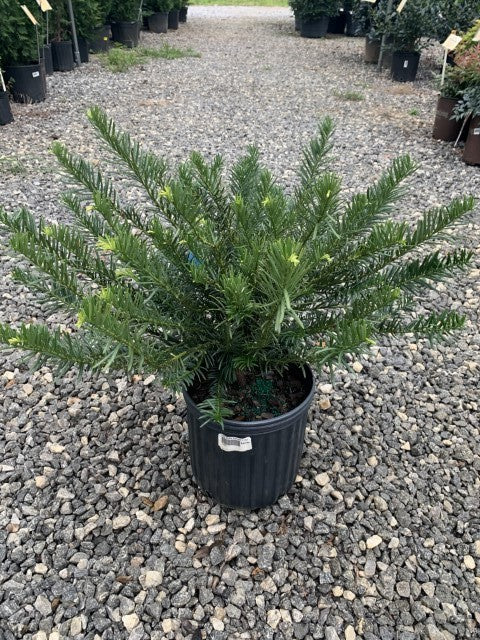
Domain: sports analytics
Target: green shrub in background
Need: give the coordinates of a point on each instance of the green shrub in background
(88, 17)
(18, 40)
(313, 9)
(124, 10)
(158, 6)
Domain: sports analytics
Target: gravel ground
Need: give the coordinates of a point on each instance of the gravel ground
(103, 533)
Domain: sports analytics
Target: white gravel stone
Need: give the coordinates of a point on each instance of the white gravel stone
(130, 621)
(373, 541)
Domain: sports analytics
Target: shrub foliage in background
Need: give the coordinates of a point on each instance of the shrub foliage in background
(219, 278)
(124, 10)
(313, 9)
(18, 40)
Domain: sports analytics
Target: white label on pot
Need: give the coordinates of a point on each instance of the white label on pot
(35, 74)
(229, 443)
(476, 132)
(405, 64)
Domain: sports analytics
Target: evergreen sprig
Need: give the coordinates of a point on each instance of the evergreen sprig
(219, 277)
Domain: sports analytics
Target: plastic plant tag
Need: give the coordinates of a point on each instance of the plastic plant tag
(451, 42)
(372, 1)
(229, 443)
(29, 15)
(401, 6)
(44, 5)
(405, 64)
(476, 131)
(476, 37)
(35, 74)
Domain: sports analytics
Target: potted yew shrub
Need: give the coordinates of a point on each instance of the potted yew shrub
(158, 15)
(20, 55)
(100, 41)
(182, 14)
(125, 22)
(410, 30)
(174, 14)
(445, 126)
(88, 17)
(314, 16)
(62, 46)
(232, 290)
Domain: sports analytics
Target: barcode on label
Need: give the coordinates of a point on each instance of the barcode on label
(35, 74)
(229, 443)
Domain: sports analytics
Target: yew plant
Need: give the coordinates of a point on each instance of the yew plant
(222, 276)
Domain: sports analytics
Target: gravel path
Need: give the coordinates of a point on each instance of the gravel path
(380, 537)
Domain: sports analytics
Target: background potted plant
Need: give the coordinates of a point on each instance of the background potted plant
(174, 14)
(88, 17)
(294, 5)
(125, 21)
(5, 111)
(446, 127)
(338, 22)
(315, 15)
(62, 47)
(158, 15)
(468, 109)
(410, 30)
(182, 16)
(19, 52)
(231, 291)
(452, 15)
(375, 23)
(100, 41)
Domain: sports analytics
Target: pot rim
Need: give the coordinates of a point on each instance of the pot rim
(256, 427)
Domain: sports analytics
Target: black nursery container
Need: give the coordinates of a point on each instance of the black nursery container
(83, 48)
(28, 82)
(405, 66)
(182, 14)
(337, 23)
(314, 28)
(62, 54)
(100, 43)
(126, 33)
(47, 59)
(158, 22)
(248, 465)
(173, 19)
(5, 112)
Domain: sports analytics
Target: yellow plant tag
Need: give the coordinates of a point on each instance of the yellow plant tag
(451, 42)
(44, 5)
(401, 6)
(29, 14)
(476, 37)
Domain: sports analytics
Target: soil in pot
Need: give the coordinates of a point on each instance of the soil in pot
(471, 151)
(62, 54)
(101, 41)
(126, 33)
(47, 59)
(173, 19)
(444, 128)
(250, 464)
(314, 28)
(5, 112)
(28, 82)
(405, 66)
(158, 22)
(182, 15)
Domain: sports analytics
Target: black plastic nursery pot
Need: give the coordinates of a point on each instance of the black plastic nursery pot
(298, 23)
(62, 54)
(83, 48)
(354, 28)
(405, 65)
(444, 128)
(100, 43)
(173, 19)
(471, 151)
(182, 14)
(372, 50)
(5, 112)
(337, 24)
(126, 33)
(248, 465)
(28, 82)
(158, 22)
(314, 28)
(47, 59)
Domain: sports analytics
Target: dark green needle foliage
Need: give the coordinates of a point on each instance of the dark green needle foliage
(219, 277)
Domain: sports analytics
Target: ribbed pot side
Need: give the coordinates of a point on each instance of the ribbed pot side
(263, 459)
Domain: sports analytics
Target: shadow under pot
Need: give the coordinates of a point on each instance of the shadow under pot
(173, 19)
(444, 128)
(28, 82)
(62, 54)
(47, 59)
(126, 33)
(158, 22)
(182, 14)
(249, 465)
(5, 112)
(316, 28)
(405, 65)
(100, 43)
(471, 151)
